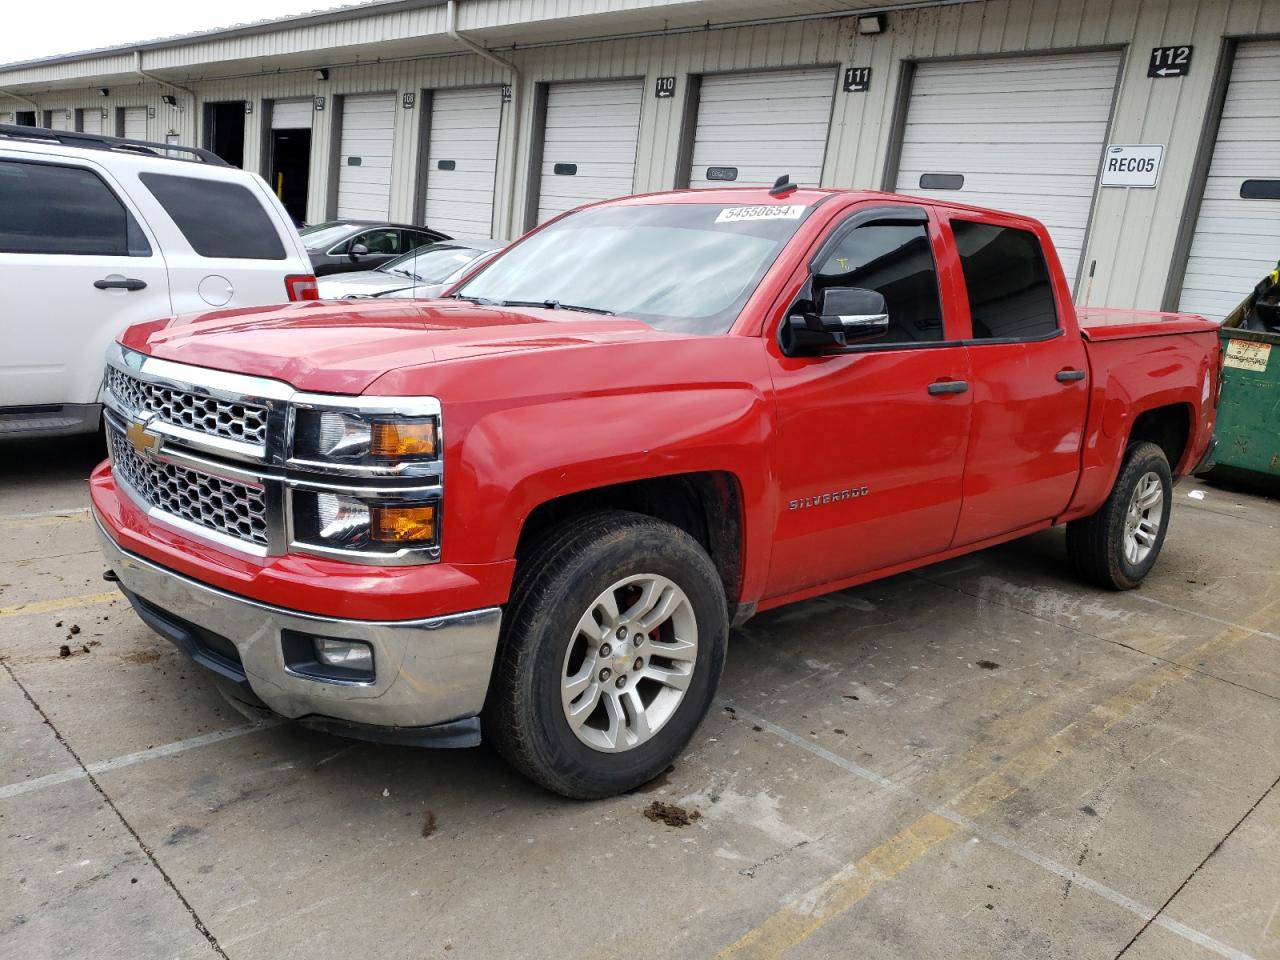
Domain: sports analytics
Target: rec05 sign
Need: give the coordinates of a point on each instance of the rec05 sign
(1132, 166)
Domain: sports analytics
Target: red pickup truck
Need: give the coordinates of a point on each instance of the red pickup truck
(535, 508)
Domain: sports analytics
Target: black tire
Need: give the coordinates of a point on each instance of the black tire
(559, 580)
(1095, 544)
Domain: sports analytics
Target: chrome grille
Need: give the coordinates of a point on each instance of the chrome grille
(233, 509)
(246, 422)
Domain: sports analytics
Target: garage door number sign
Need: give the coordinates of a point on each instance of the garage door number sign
(856, 79)
(1169, 62)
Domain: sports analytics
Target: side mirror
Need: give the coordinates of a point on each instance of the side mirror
(358, 250)
(841, 317)
(857, 313)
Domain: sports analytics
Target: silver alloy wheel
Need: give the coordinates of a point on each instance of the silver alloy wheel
(629, 663)
(1144, 518)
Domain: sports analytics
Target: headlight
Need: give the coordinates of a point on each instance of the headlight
(332, 522)
(364, 439)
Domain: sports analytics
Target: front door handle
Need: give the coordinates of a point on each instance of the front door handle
(128, 283)
(948, 386)
(1070, 376)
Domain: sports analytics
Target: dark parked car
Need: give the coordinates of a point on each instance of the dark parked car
(338, 246)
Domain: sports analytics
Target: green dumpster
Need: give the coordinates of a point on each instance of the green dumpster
(1248, 428)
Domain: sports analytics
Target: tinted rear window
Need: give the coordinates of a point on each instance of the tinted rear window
(1010, 295)
(219, 219)
(64, 210)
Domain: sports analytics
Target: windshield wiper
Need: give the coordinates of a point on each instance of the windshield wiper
(552, 305)
(406, 273)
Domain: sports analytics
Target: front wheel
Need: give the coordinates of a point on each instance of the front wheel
(612, 649)
(1117, 546)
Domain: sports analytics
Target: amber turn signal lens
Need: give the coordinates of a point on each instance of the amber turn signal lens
(402, 524)
(404, 439)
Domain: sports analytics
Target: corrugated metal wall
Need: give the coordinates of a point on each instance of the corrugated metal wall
(1133, 233)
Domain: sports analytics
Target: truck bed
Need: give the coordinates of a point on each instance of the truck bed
(1110, 323)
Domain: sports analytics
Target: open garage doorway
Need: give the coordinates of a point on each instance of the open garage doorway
(224, 130)
(290, 156)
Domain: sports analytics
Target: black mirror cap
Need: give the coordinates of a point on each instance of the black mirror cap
(851, 302)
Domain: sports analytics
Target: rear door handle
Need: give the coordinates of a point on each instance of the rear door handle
(1070, 376)
(126, 284)
(948, 386)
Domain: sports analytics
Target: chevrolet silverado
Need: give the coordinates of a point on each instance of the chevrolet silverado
(533, 509)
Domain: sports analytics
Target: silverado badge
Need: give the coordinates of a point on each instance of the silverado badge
(835, 496)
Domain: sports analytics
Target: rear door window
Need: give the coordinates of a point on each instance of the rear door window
(52, 209)
(1010, 293)
(219, 219)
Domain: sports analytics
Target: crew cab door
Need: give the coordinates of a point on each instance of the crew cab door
(78, 265)
(871, 437)
(1029, 378)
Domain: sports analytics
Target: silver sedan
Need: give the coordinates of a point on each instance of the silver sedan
(424, 273)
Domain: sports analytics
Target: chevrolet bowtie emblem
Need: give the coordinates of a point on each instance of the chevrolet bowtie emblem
(139, 438)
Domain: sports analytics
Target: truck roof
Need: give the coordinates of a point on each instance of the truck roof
(801, 195)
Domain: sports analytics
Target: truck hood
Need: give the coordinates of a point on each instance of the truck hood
(343, 347)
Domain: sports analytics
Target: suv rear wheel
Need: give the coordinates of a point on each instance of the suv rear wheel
(612, 650)
(1117, 546)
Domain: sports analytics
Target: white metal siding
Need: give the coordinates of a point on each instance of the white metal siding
(764, 125)
(1236, 240)
(364, 161)
(135, 123)
(91, 120)
(594, 126)
(291, 115)
(1027, 134)
(464, 132)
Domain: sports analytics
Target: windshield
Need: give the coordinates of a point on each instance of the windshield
(434, 263)
(683, 267)
(323, 234)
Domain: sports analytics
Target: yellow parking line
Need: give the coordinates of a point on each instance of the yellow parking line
(798, 920)
(62, 603)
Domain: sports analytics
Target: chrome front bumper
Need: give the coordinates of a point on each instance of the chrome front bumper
(426, 672)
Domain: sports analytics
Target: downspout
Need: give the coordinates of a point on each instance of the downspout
(451, 28)
(137, 68)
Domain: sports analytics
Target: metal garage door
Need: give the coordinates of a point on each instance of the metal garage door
(91, 120)
(364, 158)
(752, 128)
(1237, 240)
(292, 114)
(1025, 133)
(589, 148)
(135, 123)
(462, 159)
(58, 120)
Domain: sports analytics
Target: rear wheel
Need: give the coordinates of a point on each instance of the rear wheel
(613, 645)
(1117, 546)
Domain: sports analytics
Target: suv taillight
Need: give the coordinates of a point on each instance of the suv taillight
(301, 286)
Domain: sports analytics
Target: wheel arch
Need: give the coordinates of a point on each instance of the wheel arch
(708, 505)
(1168, 427)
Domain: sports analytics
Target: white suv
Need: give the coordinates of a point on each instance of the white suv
(98, 233)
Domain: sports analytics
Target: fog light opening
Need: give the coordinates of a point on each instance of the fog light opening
(351, 654)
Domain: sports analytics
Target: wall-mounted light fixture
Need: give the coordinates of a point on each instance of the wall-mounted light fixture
(169, 100)
(871, 24)
(104, 92)
(322, 74)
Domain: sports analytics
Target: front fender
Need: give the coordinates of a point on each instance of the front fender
(514, 460)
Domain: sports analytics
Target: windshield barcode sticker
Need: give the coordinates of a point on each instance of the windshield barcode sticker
(790, 211)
